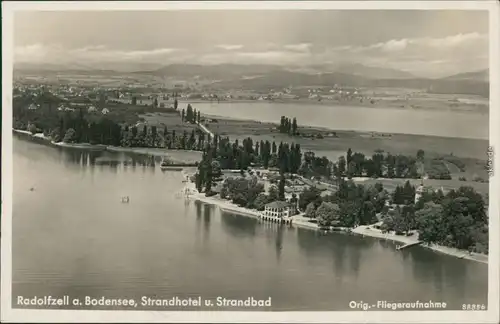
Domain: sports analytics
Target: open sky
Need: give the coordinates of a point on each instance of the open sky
(423, 42)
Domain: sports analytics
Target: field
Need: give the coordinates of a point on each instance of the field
(446, 185)
(171, 120)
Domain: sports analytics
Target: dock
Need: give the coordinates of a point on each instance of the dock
(401, 247)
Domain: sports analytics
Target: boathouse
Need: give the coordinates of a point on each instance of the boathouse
(279, 209)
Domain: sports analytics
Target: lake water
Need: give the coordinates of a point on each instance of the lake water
(390, 120)
(73, 236)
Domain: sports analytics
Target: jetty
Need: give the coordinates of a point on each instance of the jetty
(408, 245)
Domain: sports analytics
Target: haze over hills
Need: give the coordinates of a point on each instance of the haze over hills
(482, 76)
(263, 76)
(373, 72)
(219, 71)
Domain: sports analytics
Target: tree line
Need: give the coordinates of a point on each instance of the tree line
(356, 164)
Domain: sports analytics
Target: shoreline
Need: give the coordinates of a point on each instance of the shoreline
(362, 230)
(101, 147)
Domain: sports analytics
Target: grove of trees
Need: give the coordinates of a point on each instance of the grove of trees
(288, 126)
(458, 219)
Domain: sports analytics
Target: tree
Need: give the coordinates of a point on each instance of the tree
(176, 104)
(420, 155)
(32, 128)
(70, 136)
(394, 221)
(408, 213)
(293, 201)
(429, 223)
(390, 162)
(183, 114)
(327, 214)
(351, 169)
(199, 181)
(261, 201)
(273, 194)
(134, 101)
(349, 211)
(198, 117)
(216, 169)
(224, 192)
(408, 193)
(281, 188)
(310, 210)
(342, 166)
(294, 126)
(309, 195)
(54, 135)
(349, 156)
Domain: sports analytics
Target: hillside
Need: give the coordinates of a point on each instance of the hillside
(480, 76)
(373, 72)
(265, 77)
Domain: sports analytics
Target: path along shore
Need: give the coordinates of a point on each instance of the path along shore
(362, 230)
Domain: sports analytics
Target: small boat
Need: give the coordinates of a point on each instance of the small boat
(166, 165)
(171, 168)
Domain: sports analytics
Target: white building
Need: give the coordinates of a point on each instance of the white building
(279, 209)
(33, 107)
(419, 192)
(92, 109)
(105, 111)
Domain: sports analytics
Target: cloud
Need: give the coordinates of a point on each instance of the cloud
(423, 56)
(303, 47)
(96, 53)
(229, 47)
(444, 43)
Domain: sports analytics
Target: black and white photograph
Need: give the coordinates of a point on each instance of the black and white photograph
(262, 161)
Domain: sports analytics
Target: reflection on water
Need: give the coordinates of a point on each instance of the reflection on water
(73, 236)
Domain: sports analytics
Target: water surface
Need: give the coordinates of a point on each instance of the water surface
(73, 236)
(339, 117)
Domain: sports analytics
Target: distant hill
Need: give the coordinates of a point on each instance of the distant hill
(230, 71)
(212, 72)
(373, 72)
(483, 75)
(265, 77)
(280, 79)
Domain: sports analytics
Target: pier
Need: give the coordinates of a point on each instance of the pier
(408, 245)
